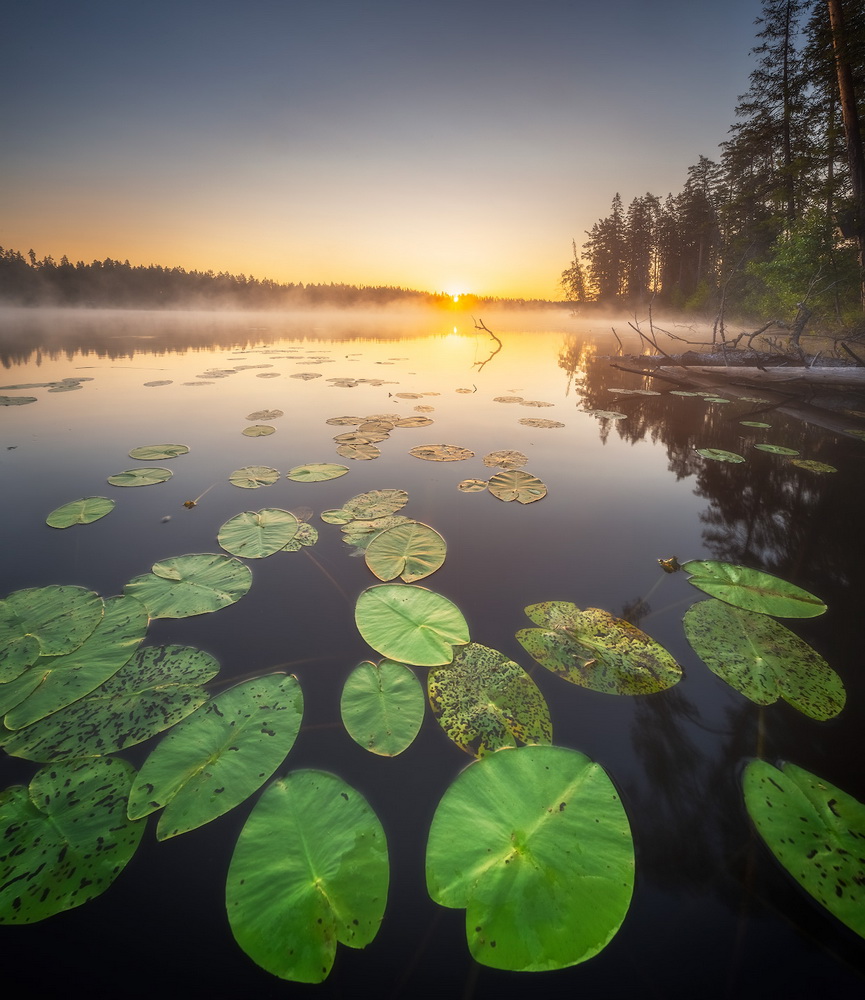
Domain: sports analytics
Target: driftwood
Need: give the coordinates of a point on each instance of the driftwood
(829, 376)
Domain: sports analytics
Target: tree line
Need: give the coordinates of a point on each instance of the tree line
(777, 225)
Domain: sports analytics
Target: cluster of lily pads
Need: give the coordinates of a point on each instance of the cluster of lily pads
(77, 685)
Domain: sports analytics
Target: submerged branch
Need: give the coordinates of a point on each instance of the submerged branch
(479, 325)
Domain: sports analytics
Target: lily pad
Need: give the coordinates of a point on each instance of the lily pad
(410, 551)
(361, 533)
(608, 414)
(382, 707)
(596, 650)
(441, 452)
(534, 843)
(59, 618)
(16, 400)
(83, 511)
(517, 485)
(752, 590)
(472, 485)
(251, 477)
(755, 423)
(811, 466)
(776, 449)
(484, 702)
(193, 584)
(539, 422)
(66, 838)
(507, 459)
(158, 452)
(305, 536)
(359, 452)
(154, 690)
(414, 422)
(146, 476)
(719, 455)
(763, 659)
(219, 755)
(410, 624)
(815, 830)
(265, 415)
(56, 681)
(258, 534)
(336, 515)
(310, 869)
(318, 472)
(376, 503)
(258, 430)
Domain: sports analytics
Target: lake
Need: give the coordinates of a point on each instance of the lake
(713, 913)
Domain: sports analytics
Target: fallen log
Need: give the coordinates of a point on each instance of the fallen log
(810, 376)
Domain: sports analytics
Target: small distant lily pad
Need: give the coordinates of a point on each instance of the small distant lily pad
(719, 455)
(317, 472)
(251, 477)
(83, 511)
(472, 485)
(258, 430)
(755, 423)
(507, 459)
(540, 422)
(146, 476)
(358, 452)
(441, 452)
(607, 414)
(376, 503)
(811, 466)
(776, 449)
(158, 452)
(265, 415)
(16, 400)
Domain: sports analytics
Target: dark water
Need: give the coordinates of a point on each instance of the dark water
(713, 915)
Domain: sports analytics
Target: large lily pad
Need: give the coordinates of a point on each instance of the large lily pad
(410, 624)
(382, 706)
(219, 755)
(485, 702)
(189, 585)
(66, 838)
(310, 869)
(251, 477)
(146, 476)
(410, 551)
(258, 534)
(816, 831)
(596, 650)
(83, 511)
(514, 484)
(158, 452)
(752, 590)
(763, 659)
(55, 681)
(536, 846)
(156, 688)
(317, 472)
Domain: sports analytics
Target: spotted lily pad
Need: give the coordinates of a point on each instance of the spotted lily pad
(517, 485)
(596, 650)
(811, 466)
(376, 503)
(258, 534)
(305, 536)
(410, 551)
(382, 707)
(534, 843)
(310, 869)
(507, 459)
(318, 472)
(752, 590)
(441, 452)
(540, 422)
(816, 831)
(361, 533)
(155, 689)
(763, 659)
(485, 702)
(146, 476)
(192, 584)
(158, 452)
(66, 838)
(251, 477)
(410, 624)
(719, 455)
(83, 511)
(218, 756)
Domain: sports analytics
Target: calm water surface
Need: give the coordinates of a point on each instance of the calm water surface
(713, 915)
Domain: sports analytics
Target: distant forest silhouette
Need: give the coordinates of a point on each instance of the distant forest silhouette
(114, 284)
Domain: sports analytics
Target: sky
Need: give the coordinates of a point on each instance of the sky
(444, 145)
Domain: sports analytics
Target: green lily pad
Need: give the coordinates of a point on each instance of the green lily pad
(66, 838)
(719, 455)
(45, 621)
(83, 511)
(441, 452)
(318, 472)
(258, 430)
(382, 707)
(251, 477)
(16, 400)
(816, 831)
(517, 485)
(410, 624)
(536, 846)
(485, 702)
(310, 869)
(776, 449)
(336, 516)
(156, 688)
(305, 536)
(376, 503)
(811, 466)
(410, 551)
(258, 534)
(219, 755)
(194, 584)
(361, 533)
(158, 452)
(56, 681)
(755, 423)
(752, 590)
(763, 659)
(147, 476)
(595, 650)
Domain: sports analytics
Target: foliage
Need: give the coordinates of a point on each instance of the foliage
(382, 707)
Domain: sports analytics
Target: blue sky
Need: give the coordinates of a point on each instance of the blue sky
(450, 145)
